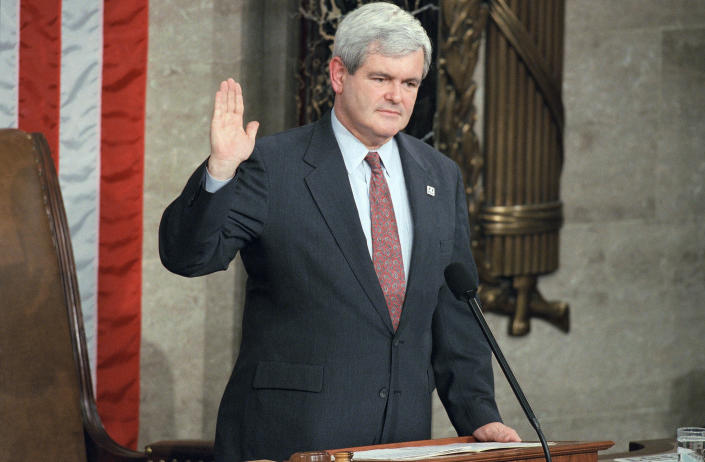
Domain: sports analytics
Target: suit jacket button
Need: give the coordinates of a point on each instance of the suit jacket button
(383, 393)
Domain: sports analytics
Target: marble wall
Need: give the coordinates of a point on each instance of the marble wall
(191, 327)
(632, 248)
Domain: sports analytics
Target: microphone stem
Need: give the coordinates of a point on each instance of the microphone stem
(477, 312)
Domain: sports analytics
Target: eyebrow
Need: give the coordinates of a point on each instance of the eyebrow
(379, 74)
(387, 76)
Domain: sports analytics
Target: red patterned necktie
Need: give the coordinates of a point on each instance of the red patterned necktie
(386, 250)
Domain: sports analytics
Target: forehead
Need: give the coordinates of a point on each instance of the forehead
(406, 66)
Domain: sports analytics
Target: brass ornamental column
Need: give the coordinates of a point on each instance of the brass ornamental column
(513, 184)
(521, 211)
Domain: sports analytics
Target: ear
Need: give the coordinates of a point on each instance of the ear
(337, 72)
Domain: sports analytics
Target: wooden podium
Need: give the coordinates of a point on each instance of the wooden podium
(560, 451)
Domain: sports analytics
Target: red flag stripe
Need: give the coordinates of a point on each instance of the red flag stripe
(40, 70)
(121, 209)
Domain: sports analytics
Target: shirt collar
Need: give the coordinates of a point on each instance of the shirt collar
(354, 151)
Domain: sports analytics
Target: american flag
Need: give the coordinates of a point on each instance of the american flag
(75, 70)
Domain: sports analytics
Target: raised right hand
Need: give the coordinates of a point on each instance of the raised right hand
(230, 143)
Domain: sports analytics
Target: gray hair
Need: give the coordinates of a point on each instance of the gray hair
(382, 28)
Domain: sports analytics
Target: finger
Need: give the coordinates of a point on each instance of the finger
(515, 437)
(219, 103)
(251, 130)
(508, 434)
(239, 101)
(232, 90)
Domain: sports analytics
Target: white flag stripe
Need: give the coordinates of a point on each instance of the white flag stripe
(9, 62)
(79, 147)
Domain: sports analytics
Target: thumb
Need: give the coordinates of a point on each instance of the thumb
(251, 129)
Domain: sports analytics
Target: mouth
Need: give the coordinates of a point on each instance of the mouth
(389, 112)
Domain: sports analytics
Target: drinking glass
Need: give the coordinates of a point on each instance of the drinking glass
(691, 441)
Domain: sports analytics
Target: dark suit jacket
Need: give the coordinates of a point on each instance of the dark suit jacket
(320, 365)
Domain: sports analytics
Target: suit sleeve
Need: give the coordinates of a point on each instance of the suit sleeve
(201, 232)
(462, 361)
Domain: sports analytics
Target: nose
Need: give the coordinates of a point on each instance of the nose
(394, 92)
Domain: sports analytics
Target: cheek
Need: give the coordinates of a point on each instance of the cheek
(409, 105)
(365, 101)
(411, 98)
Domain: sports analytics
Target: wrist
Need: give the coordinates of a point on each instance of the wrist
(221, 170)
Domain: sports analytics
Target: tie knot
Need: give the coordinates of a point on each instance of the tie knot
(372, 158)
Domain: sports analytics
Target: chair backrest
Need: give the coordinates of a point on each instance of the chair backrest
(40, 324)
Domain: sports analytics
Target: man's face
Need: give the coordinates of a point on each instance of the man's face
(376, 101)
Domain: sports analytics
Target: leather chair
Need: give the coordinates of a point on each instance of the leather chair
(47, 406)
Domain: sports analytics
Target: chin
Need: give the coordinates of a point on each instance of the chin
(389, 130)
(384, 137)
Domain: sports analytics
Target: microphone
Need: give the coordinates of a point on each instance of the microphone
(464, 287)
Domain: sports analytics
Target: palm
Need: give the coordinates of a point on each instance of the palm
(231, 143)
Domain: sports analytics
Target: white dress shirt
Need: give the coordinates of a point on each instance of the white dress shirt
(359, 174)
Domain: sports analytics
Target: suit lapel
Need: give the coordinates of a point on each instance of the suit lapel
(423, 210)
(330, 187)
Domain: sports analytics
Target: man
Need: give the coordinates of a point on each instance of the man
(348, 326)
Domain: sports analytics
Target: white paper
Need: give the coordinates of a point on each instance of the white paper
(424, 452)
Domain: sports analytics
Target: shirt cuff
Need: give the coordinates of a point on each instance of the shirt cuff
(212, 185)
